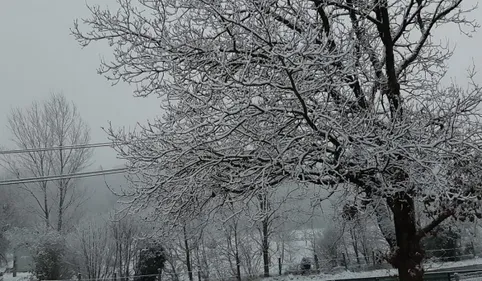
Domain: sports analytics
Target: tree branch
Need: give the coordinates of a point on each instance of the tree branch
(437, 221)
(425, 36)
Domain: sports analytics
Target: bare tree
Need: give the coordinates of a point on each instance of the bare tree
(94, 248)
(191, 242)
(264, 229)
(230, 221)
(188, 252)
(225, 238)
(172, 258)
(268, 205)
(67, 128)
(10, 216)
(125, 231)
(52, 123)
(30, 130)
(346, 95)
(330, 246)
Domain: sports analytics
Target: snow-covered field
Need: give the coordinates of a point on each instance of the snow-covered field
(374, 273)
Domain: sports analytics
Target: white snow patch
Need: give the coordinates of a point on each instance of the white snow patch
(21, 276)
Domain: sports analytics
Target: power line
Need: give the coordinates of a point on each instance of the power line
(66, 176)
(75, 146)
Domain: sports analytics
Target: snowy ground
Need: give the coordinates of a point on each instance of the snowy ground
(21, 276)
(24, 276)
(375, 273)
(448, 265)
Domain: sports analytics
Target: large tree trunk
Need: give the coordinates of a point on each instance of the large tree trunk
(408, 255)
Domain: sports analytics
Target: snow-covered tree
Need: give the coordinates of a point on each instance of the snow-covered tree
(344, 94)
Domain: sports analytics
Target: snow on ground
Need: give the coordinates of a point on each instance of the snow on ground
(374, 273)
(365, 274)
(25, 276)
(338, 276)
(21, 276)
(447, 265)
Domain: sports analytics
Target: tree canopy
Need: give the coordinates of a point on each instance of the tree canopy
(343, 94)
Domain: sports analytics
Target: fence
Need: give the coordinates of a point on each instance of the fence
(461, 275)
(444, 275)
(437, 259)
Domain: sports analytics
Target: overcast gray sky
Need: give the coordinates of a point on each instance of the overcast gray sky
(38, 56)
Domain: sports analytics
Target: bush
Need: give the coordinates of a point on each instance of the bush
(151, 258)
(49, 256)
(3, 248)
(305, 265)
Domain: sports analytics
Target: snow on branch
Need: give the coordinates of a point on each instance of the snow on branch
(342, 94)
